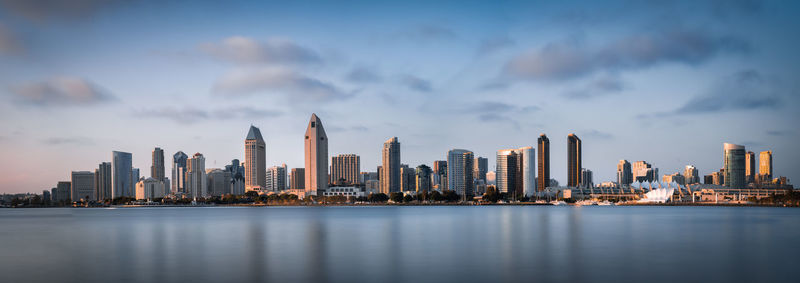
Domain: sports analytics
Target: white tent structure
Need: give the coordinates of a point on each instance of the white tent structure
(659, 195)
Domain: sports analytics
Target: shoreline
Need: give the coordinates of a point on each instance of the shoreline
(423, 204)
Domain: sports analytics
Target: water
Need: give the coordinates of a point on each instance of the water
(400, 244)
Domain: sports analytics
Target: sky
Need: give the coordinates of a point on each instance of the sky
(663, 81)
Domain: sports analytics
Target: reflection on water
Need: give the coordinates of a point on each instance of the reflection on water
(399, 244)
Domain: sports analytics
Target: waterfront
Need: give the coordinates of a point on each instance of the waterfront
(400, 244)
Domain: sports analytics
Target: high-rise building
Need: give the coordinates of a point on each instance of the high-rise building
(506, 172)
(573, 160)
(586, 178)
(765, 166)
(439, 176)
(219, 182)
(102, 181)
(150, 188)
(390, 170)
(459, 172)
(408, 182)
(62, 191)
(297, 180)
(677, 178)
(734, 165)
(157, 168)
(624, 173)
(423, 178)
(236, 172)
(277, 178)
(316, 155)
(543, 163)
(135, 175)
(179, 172)
(481, 166)
(196, 181)
(644, 172)
(82, 186)
(691, 175)
(526, 168)
(750, 167)
(255, 160)
(345, 169)
(121, 180)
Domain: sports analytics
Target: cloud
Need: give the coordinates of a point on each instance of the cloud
(491, 45)
(572, 59)
(778, 133)
(245, 50)
(415, 83)
(744, 90)
(48, 10)
(599, 87)
(363, 75)
(597, 134)
(429, 33)
(277, 80)
(9, 43)
(61, 91)
(190, 115)
(67, 141)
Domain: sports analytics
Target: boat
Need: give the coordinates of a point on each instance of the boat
(558, 202)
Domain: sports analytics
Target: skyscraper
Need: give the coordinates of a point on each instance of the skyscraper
(543, 162)
(196, 181)
(135, 178)
(691, 175)
(644, 172)
(624, 173)
(749, 167)
(298, 179)
(219, 182)
(527, 169)
(506, 172)
(573, 160)
(390, 170)
(276, 178)
(102, 181)
(255, 160)
(121, 179)
(439, 175)
(481, 167)
(157, 169)
(237, 177)
(586, 178)
(765, 166)
(82, 186)
(423, 178)
(408, 181)
(316, 154)
(345, 169)
(179, 172)
(734, 165)
(459, 172)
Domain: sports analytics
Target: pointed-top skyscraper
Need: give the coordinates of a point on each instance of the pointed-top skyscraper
(255, 160)
(316, 151)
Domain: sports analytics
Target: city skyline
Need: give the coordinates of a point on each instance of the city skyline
(455, 75)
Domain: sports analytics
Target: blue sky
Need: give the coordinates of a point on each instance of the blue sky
(662, 81)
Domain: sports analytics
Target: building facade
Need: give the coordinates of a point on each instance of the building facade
(624, 173)
(691, 175)
(543, 162)
(102, 181)
(316, 157)
(255, 160)
(196, 180)
(345, 169)
(297, 179)
(459, 172)
(765, 166)
(179, 172)
(574, 158)
(750, 167)
(734, 165)
(423, 178)
(121, 170)
(481, 166)
(390, 168)
(277, 178)
(236, 172)
(82, 186)
(219, 182)
(150, 188)
(157, 170)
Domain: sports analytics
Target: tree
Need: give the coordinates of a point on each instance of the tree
(436, 196)
(408, 198)
(451, 196)
(396, 197)
(377, 197)
(491, 195)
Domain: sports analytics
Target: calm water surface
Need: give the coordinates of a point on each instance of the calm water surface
(401, 244)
